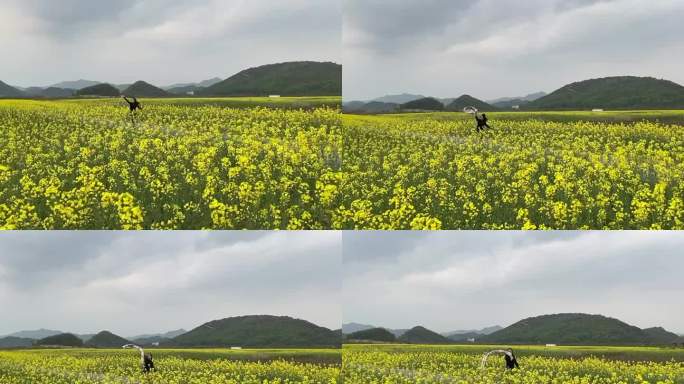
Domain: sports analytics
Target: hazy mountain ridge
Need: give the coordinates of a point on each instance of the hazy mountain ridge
(563, 329)
(258, 331)
(578, 329)
(299, 78)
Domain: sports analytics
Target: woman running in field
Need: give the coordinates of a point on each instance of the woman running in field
(511, 361)
(133, 105)
(481, 122)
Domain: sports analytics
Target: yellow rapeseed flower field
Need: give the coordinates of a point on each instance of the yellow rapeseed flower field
(435, 172)
(392, 365)
(117, 366)
(176, 165)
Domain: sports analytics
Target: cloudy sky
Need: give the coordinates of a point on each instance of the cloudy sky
(147, 282)
(161, 41)
(495, 48)
(473, 279)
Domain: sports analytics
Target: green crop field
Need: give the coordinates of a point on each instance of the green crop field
(536, 170)
(179, 163)
(462, 364)
(208, 366)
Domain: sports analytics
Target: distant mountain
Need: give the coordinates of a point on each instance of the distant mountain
(530, 97)
(98, 90)
(301, 78)
(50, 92)
(62, 340)
(36, 334)
(658, 335)
(398, 332)
(577, 329)
(373, 334)
(55, 92)
(424, 104)
(468, 101)
(621, 92)
(78, 84)
(168, 335)
(106, 339)
(85, 336)
(258, 331)
(370, 107)
(422, 335)
(355, 327)
(9, 91)
(143, 89)
(463, 335)
(122, 87)
(490, 330)
(152, 341)
(398, 99)
(15, 342)
(510, 104)
(185, 90)
(201, 84)
(209, 82)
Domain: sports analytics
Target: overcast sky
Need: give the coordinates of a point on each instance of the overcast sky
(147, 282)
(473, 279)
(160, 41)
(495, 48)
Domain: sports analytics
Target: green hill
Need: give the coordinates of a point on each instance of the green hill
(576, 329)
(15, 342)
(300, 78)
(61, 340)
(422, 335)
(103, 89)
(258, 331)
(373, 334)
(622, 92)
(143, 89)
(468, 101)
(106, 339)
(658, 335)
(9, 91)
(424, 104)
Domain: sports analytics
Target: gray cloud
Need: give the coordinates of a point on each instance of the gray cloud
(464, 280)
(161, 41)
(491, 48)
(88, 281)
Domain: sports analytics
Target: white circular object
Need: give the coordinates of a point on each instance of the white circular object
(470, 110)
